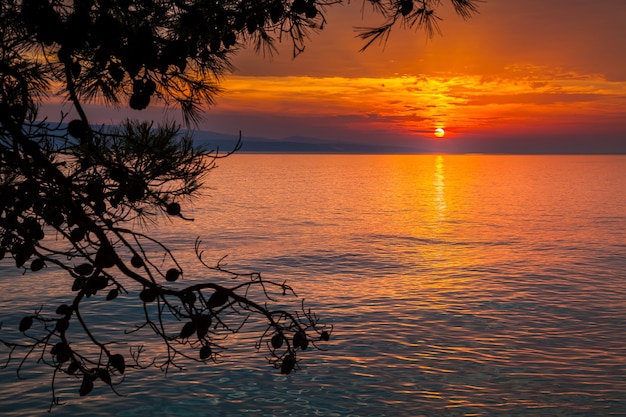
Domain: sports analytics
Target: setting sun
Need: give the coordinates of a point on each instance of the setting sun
(439, 132)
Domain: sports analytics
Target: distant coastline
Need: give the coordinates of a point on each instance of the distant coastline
(291, 145)
(287, 147)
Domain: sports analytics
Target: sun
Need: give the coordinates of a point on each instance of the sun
(439, 132)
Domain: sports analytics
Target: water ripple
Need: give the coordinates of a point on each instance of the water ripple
(495, 294)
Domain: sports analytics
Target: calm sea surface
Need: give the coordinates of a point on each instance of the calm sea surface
(457, 285)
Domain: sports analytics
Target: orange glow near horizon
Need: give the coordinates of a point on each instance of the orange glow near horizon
(522, 100)
(413, 103)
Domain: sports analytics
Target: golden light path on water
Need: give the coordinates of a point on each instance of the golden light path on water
(457, 285)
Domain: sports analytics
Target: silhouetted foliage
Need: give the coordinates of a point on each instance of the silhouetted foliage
(74, 195)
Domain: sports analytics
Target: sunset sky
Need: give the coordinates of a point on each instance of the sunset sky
(521, 76)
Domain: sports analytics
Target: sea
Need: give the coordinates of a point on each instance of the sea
(456, 285)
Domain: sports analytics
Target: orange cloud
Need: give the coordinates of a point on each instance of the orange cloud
(420, 103)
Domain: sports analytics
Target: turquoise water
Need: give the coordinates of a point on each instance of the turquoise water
(457, 285)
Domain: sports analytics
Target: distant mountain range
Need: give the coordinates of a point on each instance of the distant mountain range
(292, 144)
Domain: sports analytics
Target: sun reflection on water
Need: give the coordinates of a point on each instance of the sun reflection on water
(440, 187)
